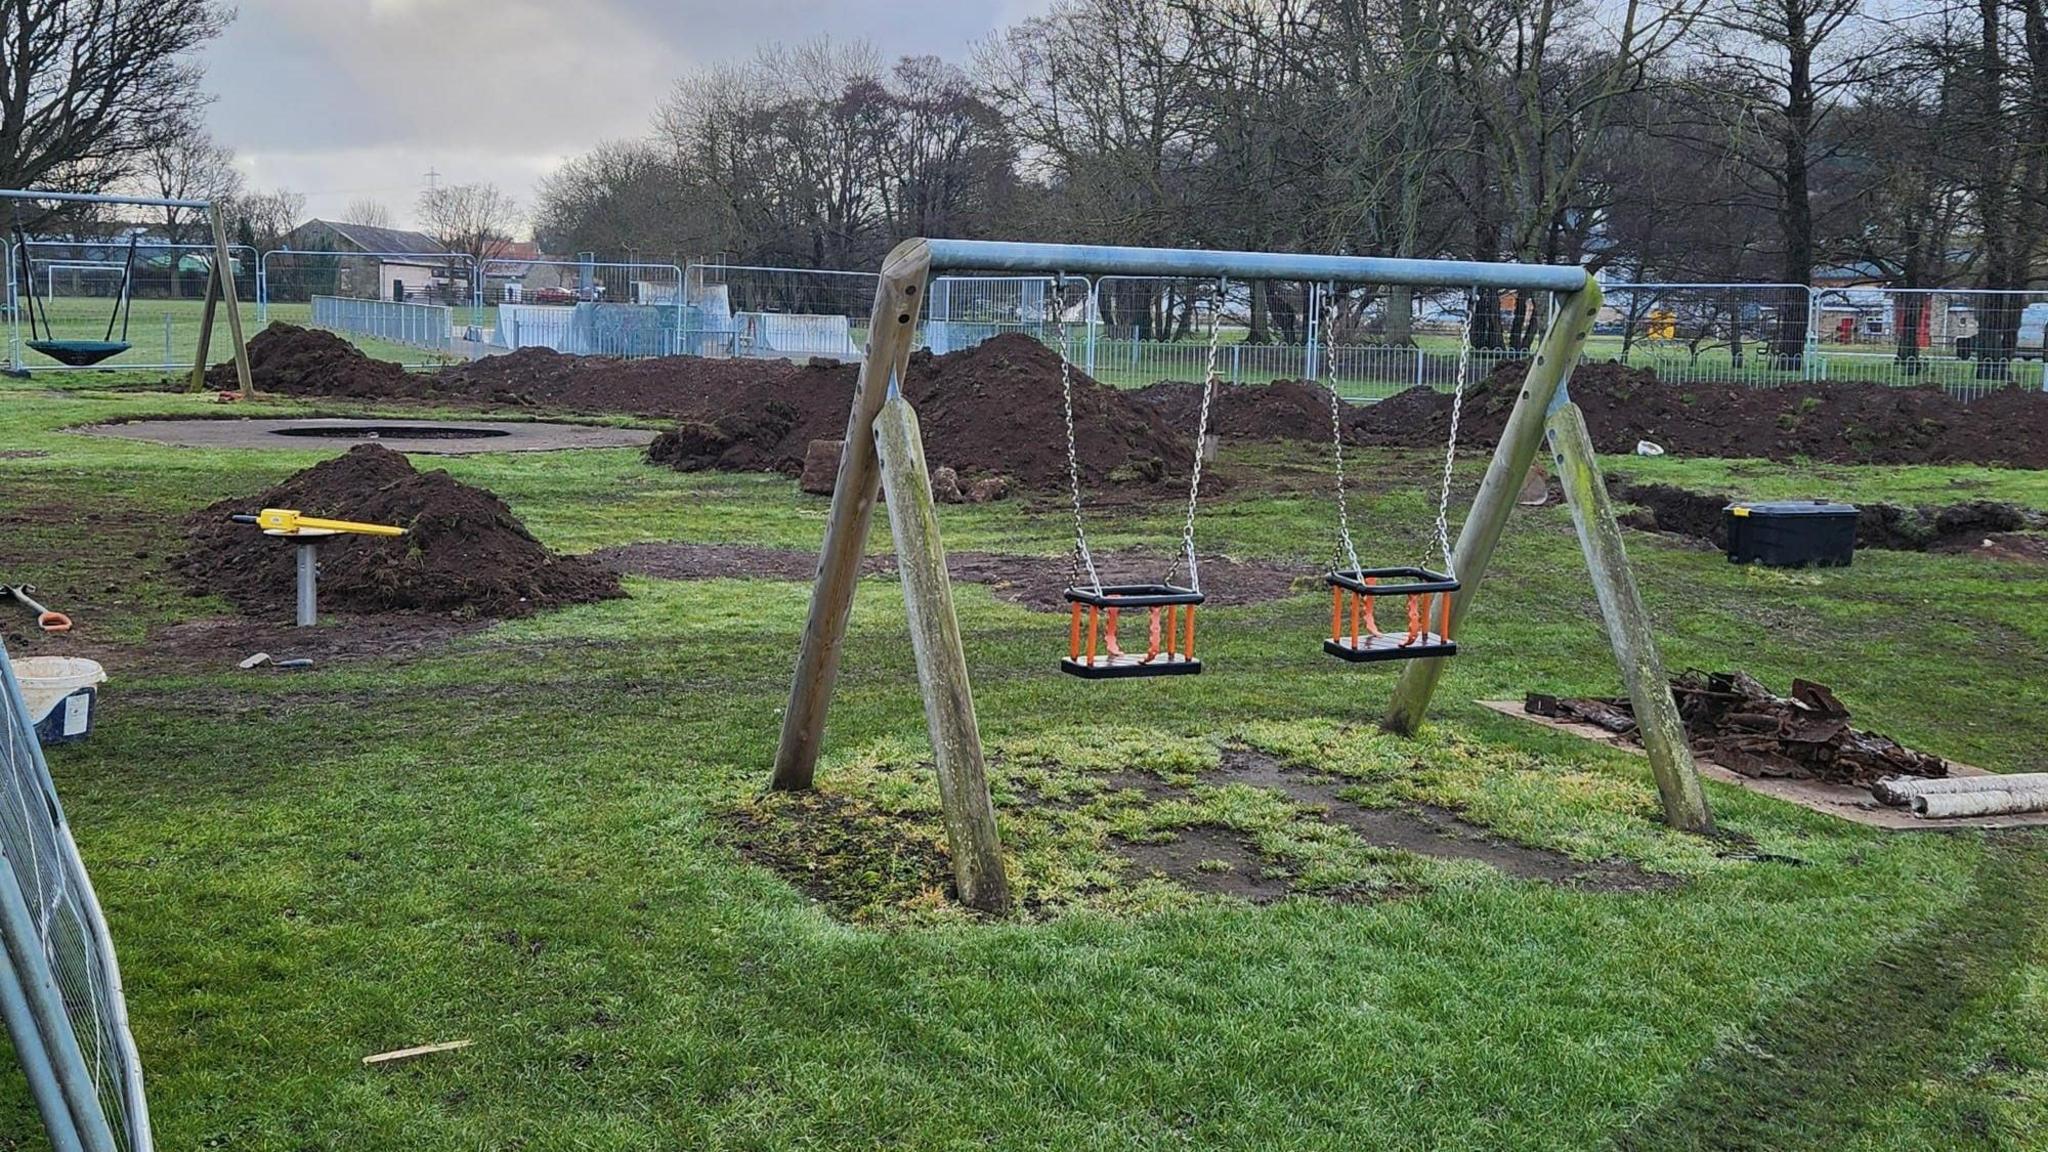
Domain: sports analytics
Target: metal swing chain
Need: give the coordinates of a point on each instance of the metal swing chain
(1348, 551)
(1443, 500)
(1080, 559)
(1209, 381)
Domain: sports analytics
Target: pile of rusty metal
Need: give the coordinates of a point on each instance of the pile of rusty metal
(1733, 720)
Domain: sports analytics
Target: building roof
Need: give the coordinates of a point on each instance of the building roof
(364, 238)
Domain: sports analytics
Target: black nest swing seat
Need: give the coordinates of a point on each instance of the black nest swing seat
(77, 353)
(1357, 637)
(1093, 650)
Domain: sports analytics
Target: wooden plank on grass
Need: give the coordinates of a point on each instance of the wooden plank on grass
(414, 1053)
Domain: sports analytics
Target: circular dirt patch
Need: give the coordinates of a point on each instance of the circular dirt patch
(420, 436)
(1036, 582)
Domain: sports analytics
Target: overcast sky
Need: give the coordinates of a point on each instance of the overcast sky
(341, 99)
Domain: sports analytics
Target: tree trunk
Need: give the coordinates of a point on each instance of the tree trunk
(1795, 210)
(1400, 316)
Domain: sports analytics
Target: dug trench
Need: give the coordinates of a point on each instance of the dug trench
(1987, 527)
(863, 863)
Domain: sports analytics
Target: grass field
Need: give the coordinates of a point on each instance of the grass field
(167, 332)
(524, 839)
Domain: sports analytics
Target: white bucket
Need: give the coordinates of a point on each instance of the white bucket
(59, 692)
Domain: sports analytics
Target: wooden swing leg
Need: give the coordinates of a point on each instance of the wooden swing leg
(1488, 517)
(1628, 624)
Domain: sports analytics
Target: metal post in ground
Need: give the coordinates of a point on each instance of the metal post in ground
(308, 584)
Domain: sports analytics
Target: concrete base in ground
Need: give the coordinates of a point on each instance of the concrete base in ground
(430, 437)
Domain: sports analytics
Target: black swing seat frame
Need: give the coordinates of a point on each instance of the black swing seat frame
(79, 353)
(1398, 644)
(1177, 659)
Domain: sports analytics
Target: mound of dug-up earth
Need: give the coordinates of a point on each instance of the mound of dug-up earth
(1281, 410)
(294, 361)
(993, 409)
(1842, 423)
(464, 552)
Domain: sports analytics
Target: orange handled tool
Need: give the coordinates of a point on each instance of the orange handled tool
(47, 620)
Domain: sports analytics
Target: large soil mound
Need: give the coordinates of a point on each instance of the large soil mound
(1281, 410)
(993, 409)
(1844, 423)
(285, 358)
(464, 551)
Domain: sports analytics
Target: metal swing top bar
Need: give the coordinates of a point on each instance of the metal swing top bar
(1101, 260)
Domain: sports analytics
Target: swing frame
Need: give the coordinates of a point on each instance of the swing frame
(220, 281)
(884, 451)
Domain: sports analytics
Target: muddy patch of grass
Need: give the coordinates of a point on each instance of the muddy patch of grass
(1127, 824)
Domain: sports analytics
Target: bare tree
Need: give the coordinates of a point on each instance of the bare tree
(266, 217)
(476, 219)
(88, 87)
(367, 212)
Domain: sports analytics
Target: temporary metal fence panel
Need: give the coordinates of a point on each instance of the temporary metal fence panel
(428, 327)
(583, 307)
(78, 286)
(1968, 341)
(750, 310)
(962, 311)
(61, 989)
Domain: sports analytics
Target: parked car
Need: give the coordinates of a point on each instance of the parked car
(2027, 342)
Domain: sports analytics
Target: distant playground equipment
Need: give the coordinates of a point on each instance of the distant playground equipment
(1105, 603)
(306, 533)
(884, 455)
(220, 286)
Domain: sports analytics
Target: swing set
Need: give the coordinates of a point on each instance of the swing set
(83, 353)
(884, 456)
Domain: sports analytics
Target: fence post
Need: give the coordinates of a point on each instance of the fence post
(169, 364)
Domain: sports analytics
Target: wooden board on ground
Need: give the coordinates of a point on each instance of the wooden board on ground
(1852, 804)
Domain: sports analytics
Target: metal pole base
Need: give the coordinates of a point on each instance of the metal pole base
(308, 584)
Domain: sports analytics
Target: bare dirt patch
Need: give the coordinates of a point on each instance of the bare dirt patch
(430, 437)
(1281, 410)
(1037, 582)
(1210, 859)
(1427, 830)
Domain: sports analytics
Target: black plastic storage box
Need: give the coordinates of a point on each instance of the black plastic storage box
(1791, 533)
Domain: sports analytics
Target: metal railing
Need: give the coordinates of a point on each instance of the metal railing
(425, 326)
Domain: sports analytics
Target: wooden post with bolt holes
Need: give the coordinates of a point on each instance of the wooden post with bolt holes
(892, 332)
(1628, 622)
(1488, 518)
(941, 662)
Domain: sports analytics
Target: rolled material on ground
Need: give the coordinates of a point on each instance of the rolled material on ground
(1980, 802)
(1900, 790)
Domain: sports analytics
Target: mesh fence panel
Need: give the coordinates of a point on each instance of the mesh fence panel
(67, 927)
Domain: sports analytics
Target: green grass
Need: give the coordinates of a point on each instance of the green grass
(524, 841)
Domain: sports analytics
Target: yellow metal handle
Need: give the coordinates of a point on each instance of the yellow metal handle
(290, 521)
